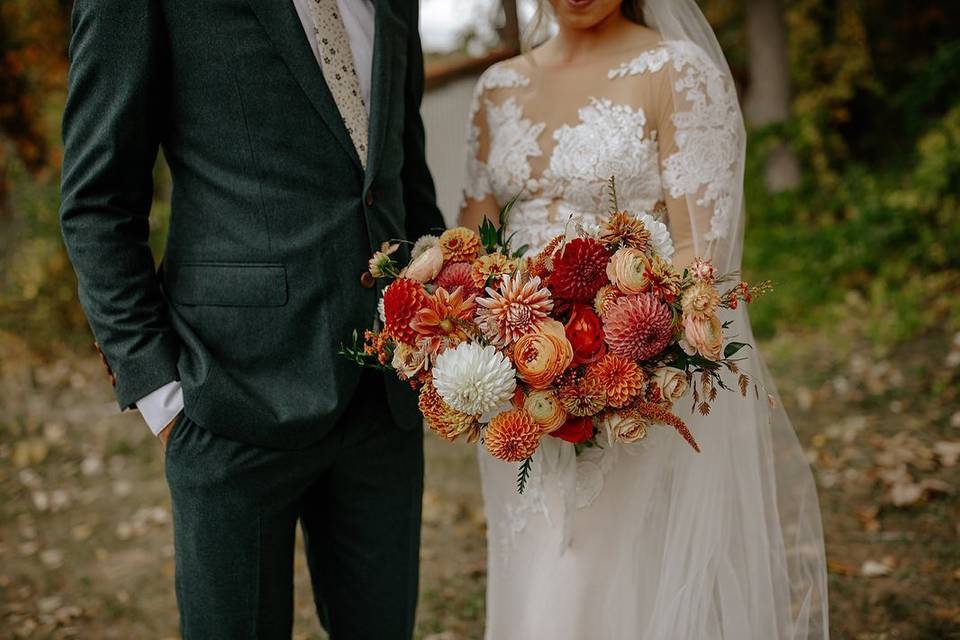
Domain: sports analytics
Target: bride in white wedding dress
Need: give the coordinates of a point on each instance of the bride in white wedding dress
(643, 541)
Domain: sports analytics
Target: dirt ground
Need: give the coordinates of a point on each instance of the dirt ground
(86, 543)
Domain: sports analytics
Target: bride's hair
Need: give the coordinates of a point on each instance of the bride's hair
(632, 10)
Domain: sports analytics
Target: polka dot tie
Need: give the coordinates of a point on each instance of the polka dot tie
(336, 59)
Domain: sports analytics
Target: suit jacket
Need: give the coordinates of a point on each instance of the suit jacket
(272, 218)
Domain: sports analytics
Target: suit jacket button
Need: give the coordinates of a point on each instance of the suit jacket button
(366, 280)
(369, 198)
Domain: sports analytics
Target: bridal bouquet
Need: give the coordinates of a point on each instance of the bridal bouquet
(592, 340)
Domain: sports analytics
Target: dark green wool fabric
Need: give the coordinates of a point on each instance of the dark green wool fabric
(272, 217)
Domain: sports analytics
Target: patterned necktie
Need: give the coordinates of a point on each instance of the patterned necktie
(339, 71)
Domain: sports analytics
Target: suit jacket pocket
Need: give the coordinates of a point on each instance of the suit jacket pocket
(227, 284)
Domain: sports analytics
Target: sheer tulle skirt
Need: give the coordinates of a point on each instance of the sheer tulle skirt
(675, 545)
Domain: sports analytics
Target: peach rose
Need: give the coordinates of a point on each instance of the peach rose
(700, 300)
(671, 382)
(426, 266)
(625, 270)
(705, 334)
(545, 410)
(542, 355)
(624, 428)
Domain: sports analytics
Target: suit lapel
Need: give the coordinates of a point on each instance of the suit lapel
(280, 19)
(389, 30)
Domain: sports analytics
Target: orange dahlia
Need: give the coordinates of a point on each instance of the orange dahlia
(586, 397)
(661, 279)
(401, 301)
(621, 378)
(445, 314)
(445, 421)
(579, 270)
(623, 229)
(459, 245)
(605, 296)
(458, 274)
(516, 309)
(512, 436)
(638, 327)
(492, 265)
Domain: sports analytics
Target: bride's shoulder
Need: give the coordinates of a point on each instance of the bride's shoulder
(511, 73)
(663, 56)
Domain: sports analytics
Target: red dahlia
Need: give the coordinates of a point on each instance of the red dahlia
(579, 270)
(401, 301)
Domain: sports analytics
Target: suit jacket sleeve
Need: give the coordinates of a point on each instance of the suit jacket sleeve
(419, 195)
(117, 102)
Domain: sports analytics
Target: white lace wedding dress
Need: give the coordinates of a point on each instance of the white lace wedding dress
(649, 541)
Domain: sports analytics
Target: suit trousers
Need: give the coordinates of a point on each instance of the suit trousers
(357, 495)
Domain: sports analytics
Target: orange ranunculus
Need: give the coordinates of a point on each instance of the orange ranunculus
(545, 409)
(575, 430)
(625, 270)
(584, 330)
(705, 334)
(542, 355)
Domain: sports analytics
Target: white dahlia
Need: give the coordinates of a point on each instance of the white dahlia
(660, 240)
(422, 245)
(474, 379)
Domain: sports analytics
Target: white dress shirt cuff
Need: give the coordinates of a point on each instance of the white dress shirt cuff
(161, 406)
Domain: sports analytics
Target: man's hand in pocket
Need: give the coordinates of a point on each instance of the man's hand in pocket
(164, 434)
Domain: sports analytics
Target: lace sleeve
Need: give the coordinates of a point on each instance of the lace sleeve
(702, 142)
(477, 192)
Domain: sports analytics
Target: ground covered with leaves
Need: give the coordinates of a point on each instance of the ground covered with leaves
(85, 533)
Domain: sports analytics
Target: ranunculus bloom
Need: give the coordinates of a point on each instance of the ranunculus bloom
(705, 334)
(542, 355)
(671, 382)
(545, 410)
(426, 266)
(575, 430)
(625, 270)
(584, 330)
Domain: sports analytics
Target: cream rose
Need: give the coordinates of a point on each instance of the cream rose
(409, 361)
(705, 334)
(672, 383)
(623, 428)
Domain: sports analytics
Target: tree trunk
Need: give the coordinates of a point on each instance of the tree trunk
(510, 33)
(768, 100)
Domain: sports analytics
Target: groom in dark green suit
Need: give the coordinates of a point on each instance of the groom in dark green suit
(294, 139)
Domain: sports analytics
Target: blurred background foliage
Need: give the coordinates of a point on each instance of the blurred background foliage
(873, 123)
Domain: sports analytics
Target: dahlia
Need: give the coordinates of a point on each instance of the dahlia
(445, 314)
(661, 279)
(474, 379)
(623, 229)
(638, 327)
(448, 423)
(700, 300)
(579, 270)
(422, 244)
(459, 245)
(492, 265)
(512, 436)
(458, 274)
(585, 398)
(606, 295)
(401, 301)
(515, 310)
(661, 243)
(621, 378)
